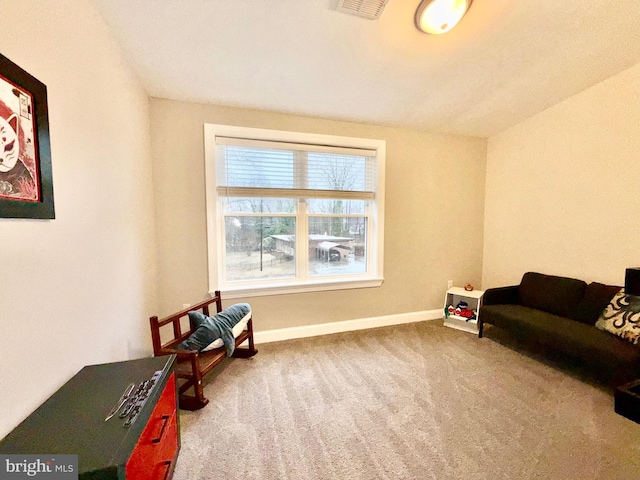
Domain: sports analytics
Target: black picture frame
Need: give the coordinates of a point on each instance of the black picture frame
(32, 111)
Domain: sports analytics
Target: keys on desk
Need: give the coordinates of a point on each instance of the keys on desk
(133, 401)
(125, 396)
(138, 399)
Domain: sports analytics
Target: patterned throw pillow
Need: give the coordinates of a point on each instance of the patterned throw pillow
(622, 317)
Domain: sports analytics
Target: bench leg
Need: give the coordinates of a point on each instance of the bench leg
(198, 400)
(244, 353)
(189, 402)
(247, 352)
(251, 345)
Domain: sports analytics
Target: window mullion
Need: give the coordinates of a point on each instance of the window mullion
(302, 224)
(370, 241)
(302, 240)
(220, 240)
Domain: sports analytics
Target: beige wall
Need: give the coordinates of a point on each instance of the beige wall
(77, 290)
(563, 189)
(433, 224)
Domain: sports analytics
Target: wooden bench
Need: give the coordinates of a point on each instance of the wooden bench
(192, 366)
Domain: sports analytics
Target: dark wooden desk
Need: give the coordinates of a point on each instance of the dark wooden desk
(72, 421)
(627, 400)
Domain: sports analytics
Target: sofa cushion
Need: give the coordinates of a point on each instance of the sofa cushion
(551, 294)
(596, 298)
(523, 321)
(599, 350)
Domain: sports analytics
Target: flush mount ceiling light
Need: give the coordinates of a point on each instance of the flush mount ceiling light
(440, 16)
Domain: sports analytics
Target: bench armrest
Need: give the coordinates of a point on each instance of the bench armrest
(180, 354)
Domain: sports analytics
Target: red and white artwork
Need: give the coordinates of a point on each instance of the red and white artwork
(18, 148)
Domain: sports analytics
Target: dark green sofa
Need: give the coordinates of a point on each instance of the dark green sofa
(559, 314)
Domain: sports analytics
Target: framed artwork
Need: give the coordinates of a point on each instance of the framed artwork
(26, 187)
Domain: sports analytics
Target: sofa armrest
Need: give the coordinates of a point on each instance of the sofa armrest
(501, 295)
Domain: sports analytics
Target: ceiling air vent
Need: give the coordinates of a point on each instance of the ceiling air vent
(371, 9)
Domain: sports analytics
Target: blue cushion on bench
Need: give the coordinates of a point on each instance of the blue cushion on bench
(209, 329)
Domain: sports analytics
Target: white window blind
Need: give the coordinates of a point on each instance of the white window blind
(258, 168)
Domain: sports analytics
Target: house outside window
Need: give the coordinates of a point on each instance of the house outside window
(291, 212)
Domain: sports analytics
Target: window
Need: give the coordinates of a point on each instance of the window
(290, 212)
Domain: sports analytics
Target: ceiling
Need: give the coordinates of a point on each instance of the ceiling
(505, 61)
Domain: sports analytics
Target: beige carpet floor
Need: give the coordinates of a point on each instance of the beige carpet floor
(415, 401)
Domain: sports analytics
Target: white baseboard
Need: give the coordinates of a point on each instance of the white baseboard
(276, 335)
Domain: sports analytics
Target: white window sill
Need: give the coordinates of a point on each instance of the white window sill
(287, 288)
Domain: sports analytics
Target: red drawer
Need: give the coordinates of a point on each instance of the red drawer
(158, 443)
(169, 450)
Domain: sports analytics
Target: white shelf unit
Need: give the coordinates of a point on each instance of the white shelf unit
(473, 298)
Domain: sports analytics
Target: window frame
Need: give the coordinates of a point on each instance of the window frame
(215, 217)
